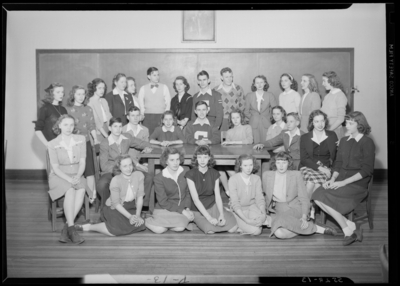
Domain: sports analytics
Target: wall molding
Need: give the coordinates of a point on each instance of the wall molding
(379, 175)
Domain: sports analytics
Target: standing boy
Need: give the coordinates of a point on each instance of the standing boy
(212, 99)
(232, 96)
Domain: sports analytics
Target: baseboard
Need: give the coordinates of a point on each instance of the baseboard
(379, 175)
(26, 175)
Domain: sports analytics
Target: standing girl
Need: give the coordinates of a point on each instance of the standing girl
(172, 210)
(289, 99)
(258, 108)
(334, 104)
(121, 215)
(352, 172)
(317, 153)
(118, 99)
(167, 134)
(182, 102)
(50, 111)
(287, 201)
(131, 90)
(154, 99)
(310, 101)
(246, 200)
(67, 154)
(85, 124)
(96, 89)
(203, 181)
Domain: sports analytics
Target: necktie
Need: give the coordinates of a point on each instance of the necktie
(153, 85)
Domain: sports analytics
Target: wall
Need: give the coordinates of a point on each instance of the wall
(361, 27)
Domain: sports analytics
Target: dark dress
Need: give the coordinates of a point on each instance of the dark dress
(205, 184)
(48, 116)
(182, 109)
(353, 157)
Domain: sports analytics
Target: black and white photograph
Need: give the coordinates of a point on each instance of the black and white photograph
(198, 146)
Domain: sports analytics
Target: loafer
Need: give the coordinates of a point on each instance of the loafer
(356, 236)
(74, 236)
(329, 230)
(64, 235)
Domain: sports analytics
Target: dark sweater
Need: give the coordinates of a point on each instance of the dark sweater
(198, 132)
(48, 115)
(182, 109)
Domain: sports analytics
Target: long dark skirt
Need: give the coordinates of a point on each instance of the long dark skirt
(116, 223)
(89, 168)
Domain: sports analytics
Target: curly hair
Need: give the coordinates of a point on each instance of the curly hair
(185, 82)
(313, 84)
(203, 150)
(314, 113)
(357, 116)
(49, 96)
(71, 98)
(57, 129)
(283, 155)
(293, 84)
(132, 79)
(168, 112)
(243, 157)
(242, 117)
(116, 79)
(92, 86)
(283, 112)
(117, 166)
(171, 151)
(266, 86)
(334, 80)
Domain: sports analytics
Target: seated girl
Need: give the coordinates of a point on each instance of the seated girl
(239, 133)
(317, 152)
(352, 172)
(246, 200)
(67, 154)
(203, 181)
(172, 210)
(168, 133)
(121, 215)
(287, 200)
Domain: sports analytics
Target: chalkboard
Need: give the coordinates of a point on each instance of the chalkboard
(71, 67)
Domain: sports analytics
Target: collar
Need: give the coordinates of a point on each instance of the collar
(315, 139)
(139, 128)
(205, 121)
(259, 96)
(112, 141)
(72, 142)
(222, 86)
(296, 133)
(167, 174)
(207, 91)
(164, 129)
(287, 92)
(282, 125)
(115, 91)
(357, 138)
(336, 90)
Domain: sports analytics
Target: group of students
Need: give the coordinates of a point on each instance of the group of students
(298, 133)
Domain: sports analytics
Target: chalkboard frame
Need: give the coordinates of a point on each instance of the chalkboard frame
(205, 50)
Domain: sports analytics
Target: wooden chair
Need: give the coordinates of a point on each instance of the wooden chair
(384, 258)
(368, 214)
(52, 206)
(223, 135)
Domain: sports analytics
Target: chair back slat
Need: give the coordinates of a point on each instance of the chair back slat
(223, 135)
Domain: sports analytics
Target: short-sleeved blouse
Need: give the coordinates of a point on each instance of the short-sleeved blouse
(205, 184)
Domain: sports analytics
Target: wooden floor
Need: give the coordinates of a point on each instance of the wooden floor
(33, 249)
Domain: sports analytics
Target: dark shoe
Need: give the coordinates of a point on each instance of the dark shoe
(329, 230)
(74, 236)
(357, 235)
(78, 226)
(145, 208)
(64, 235)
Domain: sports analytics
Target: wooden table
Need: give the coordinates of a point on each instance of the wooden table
(223, 155)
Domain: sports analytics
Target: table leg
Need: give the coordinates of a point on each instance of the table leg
(260, 170)
(151, 166)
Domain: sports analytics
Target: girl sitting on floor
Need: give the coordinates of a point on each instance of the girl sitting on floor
(287, 200)
(121, 214)
(203, 181)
